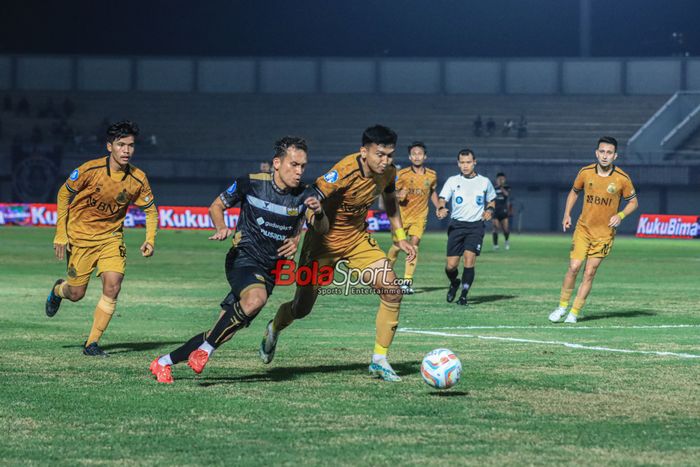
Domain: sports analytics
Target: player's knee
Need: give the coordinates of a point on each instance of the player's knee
(76, 293)
(589, 274)
(112, 289)
(253, 303)
(392, 295)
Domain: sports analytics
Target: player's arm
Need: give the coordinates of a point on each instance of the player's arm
(441, 210)
(60, 240)
(147, 204)
(435, 200)
(632, 204)
(391, 205)
(315, 216)
(216, 212)
(570, 202)
(490, 197)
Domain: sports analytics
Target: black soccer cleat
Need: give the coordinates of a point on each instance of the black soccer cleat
(452, 292)
(53, 301)
(94, 350)
(462, 300)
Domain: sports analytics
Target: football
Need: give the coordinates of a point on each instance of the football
(441, 369)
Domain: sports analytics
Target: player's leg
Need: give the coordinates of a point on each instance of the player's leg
(505, 226)
(496, 226)
(80, 264)
(579, 251)
(584, 288)
(455, 250)
(410, 267)
(468, 274)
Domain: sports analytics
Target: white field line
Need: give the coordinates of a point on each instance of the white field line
(560, 343)
(569, 327)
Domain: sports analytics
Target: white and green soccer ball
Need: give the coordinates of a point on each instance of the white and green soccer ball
(441, 369)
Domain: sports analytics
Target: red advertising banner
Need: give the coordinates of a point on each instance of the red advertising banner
(169, 217)
(668, 226)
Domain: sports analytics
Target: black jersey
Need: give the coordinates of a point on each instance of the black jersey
(502, 198)
(268, 215)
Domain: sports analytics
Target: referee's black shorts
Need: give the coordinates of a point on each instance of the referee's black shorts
(465, 236)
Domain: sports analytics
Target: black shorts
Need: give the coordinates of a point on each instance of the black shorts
(501, 214)
(243, 271)
(465, 236)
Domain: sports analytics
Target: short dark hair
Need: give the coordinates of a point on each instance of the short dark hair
(283, 144)
(122, 130)
(607, 140)
(500, 174)
(379, 135)
(466, 152)
(417, 144)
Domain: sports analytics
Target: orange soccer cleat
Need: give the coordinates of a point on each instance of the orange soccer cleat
(161, 372)
(198, 360)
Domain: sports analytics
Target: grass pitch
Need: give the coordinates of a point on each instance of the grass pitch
(525, 397)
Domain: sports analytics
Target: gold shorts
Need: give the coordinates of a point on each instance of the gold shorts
(359, 254)
(583, 246)
(412, 229)
(110, 256)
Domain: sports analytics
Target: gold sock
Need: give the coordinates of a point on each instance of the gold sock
(387, 321)
(565, 297)
(411, 267)
(59, 290)
(103, 314)
(393, 254)
(380, 350)
(283, 318)
(577, 306)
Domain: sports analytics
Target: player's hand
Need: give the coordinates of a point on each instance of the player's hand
(401, 194)
(313, 204)
(147, 250)
(566, 223)
(289, 247)
(407, 248)
(615, 221)
(442, 212)
(221, 234)
(59, 250)
(488, 214)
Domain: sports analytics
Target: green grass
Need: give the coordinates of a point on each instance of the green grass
(518, 402)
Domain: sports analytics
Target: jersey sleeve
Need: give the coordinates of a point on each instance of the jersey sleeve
(490, 191)
(145, 196)
(236, 192)
(78, 179)
(447, 190)
(578, 182)
(333, 180)
(628, 191)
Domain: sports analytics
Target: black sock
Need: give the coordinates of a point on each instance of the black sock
(231, 321)
(183, 352)
(495, 238)
(506, 234)
(467, 280)
(452, 275)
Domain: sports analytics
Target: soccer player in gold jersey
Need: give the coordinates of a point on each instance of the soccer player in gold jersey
(415, 185)
(349, 189)
(604, 186)
(92, 205)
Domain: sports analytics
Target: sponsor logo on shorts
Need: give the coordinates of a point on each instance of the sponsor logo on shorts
(74, 175)
(72, 273)
(331, 177)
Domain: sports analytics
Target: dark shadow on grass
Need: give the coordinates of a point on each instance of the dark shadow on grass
(430, 289)
(126, 347)
(289, 373)
(476, 300)
(449, 394)
(619, 314)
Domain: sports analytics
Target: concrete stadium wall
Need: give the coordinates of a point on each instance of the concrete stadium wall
(569, 76)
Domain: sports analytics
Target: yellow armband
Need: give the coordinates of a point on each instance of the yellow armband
(621, 215)
(400, 234)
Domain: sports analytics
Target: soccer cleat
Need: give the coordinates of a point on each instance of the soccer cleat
(268, 344)
(452, 292)
(495, 248)
(462, 300)
(198, 360)
(570, 318)
(383, 371)
(407, 290)
(161, 372)
(94, 350)
(557, 314)
(53, 301)
(507, 246)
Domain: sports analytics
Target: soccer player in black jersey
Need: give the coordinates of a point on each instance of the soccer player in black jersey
(273, 208)
(501, 215)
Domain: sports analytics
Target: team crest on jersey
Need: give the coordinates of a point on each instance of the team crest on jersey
(612, 188)
(292, 211)
(74, 175)
(331, 177)
(232, 188)
(122, 198)
(459, 200)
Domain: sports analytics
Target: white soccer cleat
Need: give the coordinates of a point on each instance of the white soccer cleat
(557, 314)
(570, 318)
(495, 248)
(268, 344)
(407, 289)
(507, 246)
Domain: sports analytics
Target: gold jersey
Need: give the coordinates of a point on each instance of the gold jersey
(414, 208)
(348, 193)
(601, 199)
(100, 200)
